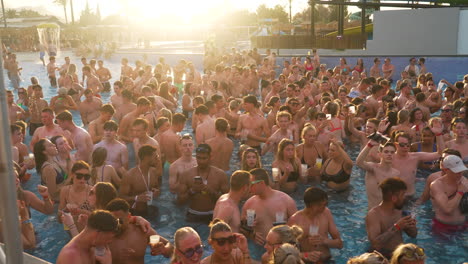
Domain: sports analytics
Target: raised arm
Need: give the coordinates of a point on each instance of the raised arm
(361, 159)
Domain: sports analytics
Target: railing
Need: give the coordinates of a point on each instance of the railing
(306, 42)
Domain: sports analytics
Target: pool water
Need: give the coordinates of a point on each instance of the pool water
(349, 209)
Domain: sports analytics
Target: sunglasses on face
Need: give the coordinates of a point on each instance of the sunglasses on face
(446, 110)
(223, 240)
(191, 251)
(80, 176)
(403, 145)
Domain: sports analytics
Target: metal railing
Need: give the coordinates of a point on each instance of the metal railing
(307, 42)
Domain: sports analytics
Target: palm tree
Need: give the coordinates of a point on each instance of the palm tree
(64, 4)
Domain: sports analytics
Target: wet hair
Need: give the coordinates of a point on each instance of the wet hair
(221, 124)
(104, 192)
(244, 158)
(288, 234)
(178, 119)
(391, 186)
(98, 158)
(314, 195)
(450, 151)
(146, 150)
(239, 179)
(39, 156)
(141, 121)
(261, 174)
(118, 205)
(111, 125)
(218, 225)
(286, 254)
(65, 116)
(102, 221)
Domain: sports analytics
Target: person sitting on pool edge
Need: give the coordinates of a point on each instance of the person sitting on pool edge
(386, 222)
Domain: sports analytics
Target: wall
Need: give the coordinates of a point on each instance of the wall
(431, 31)
(463, 33)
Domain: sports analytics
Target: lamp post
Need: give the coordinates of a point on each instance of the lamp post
(3, 11)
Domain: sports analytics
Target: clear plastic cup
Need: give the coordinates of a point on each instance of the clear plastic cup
(150, 195)
(318, 163)
(154, 239)
(99, 251)
(304, 170)
(250, 217)
(313, 230)
(280, 217)
(275, 174)
(352, 109)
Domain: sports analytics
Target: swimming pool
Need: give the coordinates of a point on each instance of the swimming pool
(349, 208)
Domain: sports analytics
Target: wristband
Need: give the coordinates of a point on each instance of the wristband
(397, 227)
(370, 145)
(440, 134)
(460, 193)
(133, 219)
(45, 197)
(306, 255)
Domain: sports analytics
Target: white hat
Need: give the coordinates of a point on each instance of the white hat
(454, 163)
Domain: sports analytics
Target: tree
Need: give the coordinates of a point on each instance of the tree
(277, 12)
(64, 4)
(11, 13)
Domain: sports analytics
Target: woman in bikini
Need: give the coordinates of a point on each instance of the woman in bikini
(311, 152)
(284, 130)
(289, 166)
(51, 173)
(335, 124)
(63, 160)
(100, 172)
(417, 122)
(336, 170)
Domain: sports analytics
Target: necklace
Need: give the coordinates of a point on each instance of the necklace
(147, 183)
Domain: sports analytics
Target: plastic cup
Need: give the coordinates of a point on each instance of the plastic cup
(275, 174)
(99, 251)
(202, 93)
(352, 109)
(154, 239)
(250, 217)
(304, 170)
(150, 195)
(244, 134)
(313, 230)
(318, 163)
(280, 217)
(328, 116)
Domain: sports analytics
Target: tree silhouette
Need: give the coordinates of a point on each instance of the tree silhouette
(64, 4)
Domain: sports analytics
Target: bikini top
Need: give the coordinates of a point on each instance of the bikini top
(85, 205)
(337, 178)
(333, 128)
(303, 155)
(61, 174)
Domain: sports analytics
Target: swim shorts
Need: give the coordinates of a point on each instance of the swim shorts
(439, 227)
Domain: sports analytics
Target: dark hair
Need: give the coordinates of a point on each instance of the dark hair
(119, 84)
(14, 128)
(261, 174)
(239, 179)
(221, 124)
(103, 221)
(391, 186)
(161, 121)
(146, 150)
(118, 205)
(111, 125)
(105, 192)
(39, 156)
(142, 101)
(201, 109)
(314, 195)
(65, 116)
(140, 121)
(107, 108)
(178, 118)
(127, 94)
(79, 165)
(203, 148)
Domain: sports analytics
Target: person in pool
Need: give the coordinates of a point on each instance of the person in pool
(185, 162)
(92, 243)
(221, 145)
(250, 159)
(318, 220)
(310, 150)
(96, 127)
(252, 127)
(447, 193)
(336, 170)
(130, 243)
(81, 138)
(117, 153)
(229, 247)
(408, 254)
(188, 247)
(170, 140)
(386, 222)
(89, 107)
(289, 166)
(125, 125)
(280, 235)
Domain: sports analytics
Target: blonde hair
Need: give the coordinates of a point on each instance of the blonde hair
(399, 252)
(258, 164)
(308, 127)
(288, 234)
(286, 254)
(368, 258)
(179, 235)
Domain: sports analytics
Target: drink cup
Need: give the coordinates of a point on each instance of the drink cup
(99, 251)
(202, 93)
(244, 134)
(328, 116)
(72, 208)
(318, 163)
(150, 195)
(154, 239)
(280, 217)
(313, 230)
(304, 170)
(250, 217)
(275, 174)
(352, 109)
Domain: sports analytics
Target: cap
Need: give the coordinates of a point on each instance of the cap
(454, 163)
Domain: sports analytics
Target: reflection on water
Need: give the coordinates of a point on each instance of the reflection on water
(349, 208)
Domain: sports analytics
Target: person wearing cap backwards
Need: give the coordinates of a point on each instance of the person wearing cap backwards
(252, 128)
(446, 195)
(202, 185)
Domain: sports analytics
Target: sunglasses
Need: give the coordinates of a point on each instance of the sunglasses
(80, 176)
(403, 145)
(186, 136)
(446, 110)
(223, 240)
(413, 253)
(202, 150)
(191, 251)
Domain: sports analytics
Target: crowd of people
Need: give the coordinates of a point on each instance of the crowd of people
(105, 175)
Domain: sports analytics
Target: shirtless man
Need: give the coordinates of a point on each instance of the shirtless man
(412, 159)
(130, 243)
(316, 216)
(36, 105)
(89, 107)
(460, 142)
(65, 66)
(117, 153)
(51, 68)
(99, 232)
(170, 141)
(377, 172)
(49, 129)
(202, 185)
(104, 76)
(388, 69)
(140, 136)
(92, 82)
(206, 126)
(284, 130)
(126, 70)
(405, 95)
(221, 145)
(446, 194)
(294, 76)
(251, 127)
(81, 138)
(375, 69)
(385, 223)
(185, 162)
(413, 70)
(96, 127)
(14, 71)
(143, 106)
(141, 184)
(227, 206)
(15, 112)
(127, 106)
(116, 99)
(266, 203)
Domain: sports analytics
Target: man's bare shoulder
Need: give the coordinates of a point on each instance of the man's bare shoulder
(217, 171)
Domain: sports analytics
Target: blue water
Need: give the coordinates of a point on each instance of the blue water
(349, 209)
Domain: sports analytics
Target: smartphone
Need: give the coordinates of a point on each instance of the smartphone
(405, 213)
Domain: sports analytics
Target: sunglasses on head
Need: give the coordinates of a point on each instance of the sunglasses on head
(186, 136)
(413, 253)
(223, 240)
(255, 182)
(403, 145)
(80, 176)
(191, 251)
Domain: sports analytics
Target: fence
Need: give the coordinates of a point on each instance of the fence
(306, 42)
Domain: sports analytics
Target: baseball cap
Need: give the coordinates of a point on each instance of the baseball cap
(454, 163)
